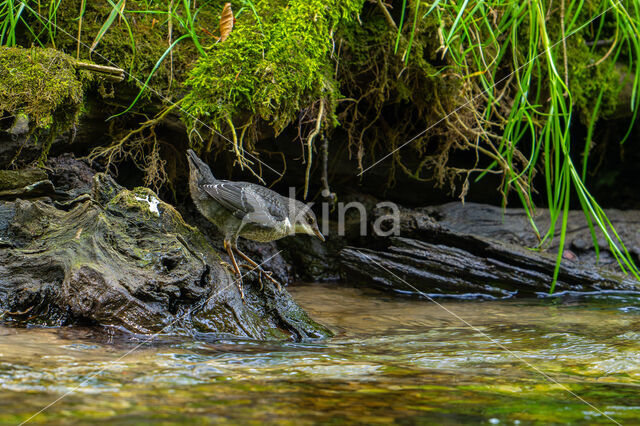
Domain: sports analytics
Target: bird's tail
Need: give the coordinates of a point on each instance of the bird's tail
(199, 165)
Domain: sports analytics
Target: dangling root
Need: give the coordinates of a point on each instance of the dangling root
(133, 146)
(326, 191)
(310, 139)
(238, 149)
(387, 16)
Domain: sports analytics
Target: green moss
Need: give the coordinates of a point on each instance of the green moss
(151, 29)
(135, 42)
(41, 83)
(270, 70)
(587, 81)
(140, 199)
(591, 70)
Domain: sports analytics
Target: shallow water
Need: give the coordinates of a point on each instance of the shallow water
(393, 360)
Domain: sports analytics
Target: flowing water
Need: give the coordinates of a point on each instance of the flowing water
(393, 360)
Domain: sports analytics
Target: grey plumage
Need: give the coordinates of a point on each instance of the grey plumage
(263, 216)
(247, 210)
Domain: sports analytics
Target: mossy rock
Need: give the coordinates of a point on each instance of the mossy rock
(41, 96)
(126, 259)
(41, 84)
(15, 179)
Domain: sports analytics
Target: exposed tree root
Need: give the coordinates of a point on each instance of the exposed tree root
(310, 139)
(238, 149)
(142, 147)
(387, 15)
(326, 191)
(109, 73)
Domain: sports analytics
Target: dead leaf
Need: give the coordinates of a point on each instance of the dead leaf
(226, 22)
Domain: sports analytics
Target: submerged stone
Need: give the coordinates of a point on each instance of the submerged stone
(126, 259)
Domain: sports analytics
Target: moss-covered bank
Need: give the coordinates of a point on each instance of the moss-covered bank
(41, 84)
(381, 72)
(275, 64)
(469, 90)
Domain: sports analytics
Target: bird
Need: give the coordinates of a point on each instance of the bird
(247, 210)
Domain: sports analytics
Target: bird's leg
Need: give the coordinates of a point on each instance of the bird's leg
(228, 247)
(259, 268)
(254, 268)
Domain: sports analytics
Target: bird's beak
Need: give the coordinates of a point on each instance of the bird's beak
(318, 234)
(192, 157)
(197, 164)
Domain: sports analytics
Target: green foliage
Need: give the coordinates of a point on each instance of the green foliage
(10, 17)
(505, 79)
(134, 38)
(269, 69)
(116, 12)
(530, 69)
(41, 83)
(133, 34)
(223, 84)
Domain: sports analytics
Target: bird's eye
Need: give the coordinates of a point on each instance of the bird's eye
(310, 220)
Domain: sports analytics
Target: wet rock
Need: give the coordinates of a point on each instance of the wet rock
(512, 226)
(483, 270)
(476, 250)
(126, 259)
(24, 183)
(311, 259)
(70, 175)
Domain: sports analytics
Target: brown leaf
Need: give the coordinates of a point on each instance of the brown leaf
(226, 22)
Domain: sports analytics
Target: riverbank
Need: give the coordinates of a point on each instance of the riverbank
(376, 108)
(109, 256)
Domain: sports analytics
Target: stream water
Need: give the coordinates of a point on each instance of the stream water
(393, 360)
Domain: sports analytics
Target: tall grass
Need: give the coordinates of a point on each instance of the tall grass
(10, 17)
(19, 14)
(514, 53)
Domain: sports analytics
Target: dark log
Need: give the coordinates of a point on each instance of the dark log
(480, 251)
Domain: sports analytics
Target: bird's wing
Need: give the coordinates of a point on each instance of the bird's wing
(242, 201)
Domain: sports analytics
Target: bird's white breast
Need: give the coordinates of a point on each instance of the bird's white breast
(288, 226)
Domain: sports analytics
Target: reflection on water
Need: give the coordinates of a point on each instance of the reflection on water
(393, 360)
